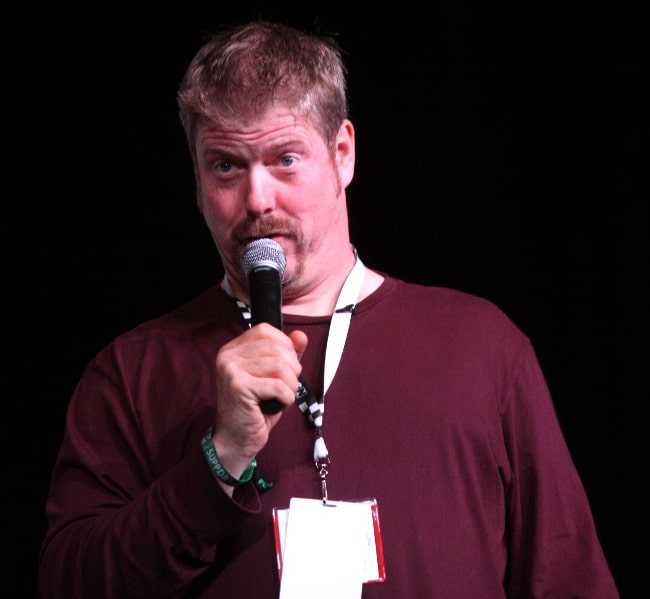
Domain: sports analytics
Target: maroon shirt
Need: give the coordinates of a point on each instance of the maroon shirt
(438, 410)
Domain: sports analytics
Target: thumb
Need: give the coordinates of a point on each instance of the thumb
(300, 341)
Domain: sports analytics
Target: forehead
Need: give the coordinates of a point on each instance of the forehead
(273, 125)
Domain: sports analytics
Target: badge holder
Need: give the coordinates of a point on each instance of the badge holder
(339, 538)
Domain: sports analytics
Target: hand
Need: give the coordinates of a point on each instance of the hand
(261, 364)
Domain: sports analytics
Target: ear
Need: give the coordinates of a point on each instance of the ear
(345, 152)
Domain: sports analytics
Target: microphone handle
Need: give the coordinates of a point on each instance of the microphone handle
(265, 292)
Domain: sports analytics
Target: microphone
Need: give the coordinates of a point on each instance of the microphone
(263, 263)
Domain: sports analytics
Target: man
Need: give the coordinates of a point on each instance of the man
(195, 450)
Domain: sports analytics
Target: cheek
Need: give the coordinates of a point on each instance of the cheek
(217, 204)
(216, 213)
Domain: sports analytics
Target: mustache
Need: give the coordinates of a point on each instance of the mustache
(254, 228)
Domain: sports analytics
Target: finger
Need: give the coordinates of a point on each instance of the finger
(300, 341)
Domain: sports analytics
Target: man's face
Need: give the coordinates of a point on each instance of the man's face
(273, 176)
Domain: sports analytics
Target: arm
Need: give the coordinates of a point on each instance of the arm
(134, 510)
(554, 550)
(115, 527)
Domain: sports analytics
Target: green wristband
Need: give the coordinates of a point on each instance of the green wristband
(218, 468)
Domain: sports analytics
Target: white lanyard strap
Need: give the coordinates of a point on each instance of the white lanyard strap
(341, 321)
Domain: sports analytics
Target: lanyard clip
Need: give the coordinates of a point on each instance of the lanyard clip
(322, 473)
(323, 486)
(321, 461)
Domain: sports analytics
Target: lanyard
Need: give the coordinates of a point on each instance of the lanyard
(311, 407)
(341, 321)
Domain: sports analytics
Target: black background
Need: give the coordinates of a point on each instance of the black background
(499, 151)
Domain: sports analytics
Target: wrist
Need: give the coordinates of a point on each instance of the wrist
(217, 466)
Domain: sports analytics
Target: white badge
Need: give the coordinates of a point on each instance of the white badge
(327, 550)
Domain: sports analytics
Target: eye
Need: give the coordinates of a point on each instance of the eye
(287, 160)
(224, 166)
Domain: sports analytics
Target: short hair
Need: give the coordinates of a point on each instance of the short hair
(241, 71)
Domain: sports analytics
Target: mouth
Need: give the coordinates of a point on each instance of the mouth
(274, 236)
(264, 228)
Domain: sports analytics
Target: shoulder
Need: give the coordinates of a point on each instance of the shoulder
(192, 323)
(442, 311)
(434, 300)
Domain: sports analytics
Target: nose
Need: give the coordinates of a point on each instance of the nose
(260, 198)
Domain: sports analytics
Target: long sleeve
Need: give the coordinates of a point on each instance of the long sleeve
(134, 510)
(553, 545)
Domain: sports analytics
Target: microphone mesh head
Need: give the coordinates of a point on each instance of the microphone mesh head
(263, 252)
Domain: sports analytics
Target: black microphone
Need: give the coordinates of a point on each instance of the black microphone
(263, 263)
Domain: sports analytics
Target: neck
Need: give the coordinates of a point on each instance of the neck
(320, 299)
